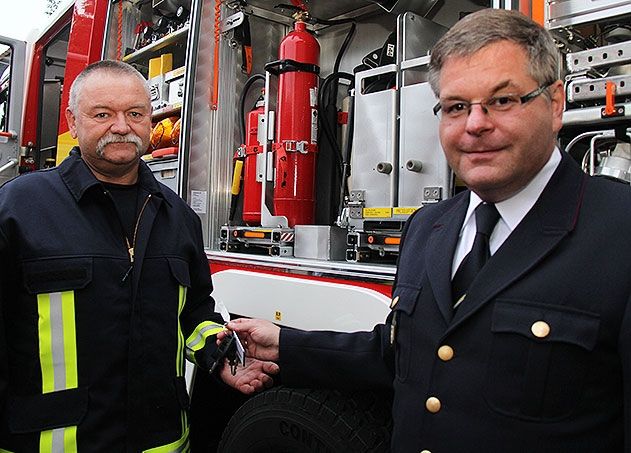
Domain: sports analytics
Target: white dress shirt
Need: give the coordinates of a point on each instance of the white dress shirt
(512, 211)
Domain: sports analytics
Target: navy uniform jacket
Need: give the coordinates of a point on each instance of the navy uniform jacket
(536, 358)
(95, 346)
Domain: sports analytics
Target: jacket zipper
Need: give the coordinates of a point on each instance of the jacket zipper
(131, 246)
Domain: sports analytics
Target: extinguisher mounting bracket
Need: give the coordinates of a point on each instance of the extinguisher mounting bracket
(280, 66)
(294, 146)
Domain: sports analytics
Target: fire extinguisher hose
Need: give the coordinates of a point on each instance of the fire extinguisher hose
(246, 87)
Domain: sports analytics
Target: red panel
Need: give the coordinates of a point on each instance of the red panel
(31, 106)
(218, 266)
(85, 45)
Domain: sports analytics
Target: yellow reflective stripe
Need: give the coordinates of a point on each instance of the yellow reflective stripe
(60, 440)
(179, 446)
(184, 422)
(70, 339)
(180, 336)
(70, 439)
(45, 343)
(58, 361)
(197, 340)
(46, 442)
(57, 341)
(2, 450)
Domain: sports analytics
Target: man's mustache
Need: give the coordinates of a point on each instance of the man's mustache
(117, 138)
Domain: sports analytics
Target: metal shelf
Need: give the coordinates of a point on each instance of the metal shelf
(146, 52)
(164, 112)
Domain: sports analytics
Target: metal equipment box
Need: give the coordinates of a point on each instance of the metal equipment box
(165, 171)
(320, 242)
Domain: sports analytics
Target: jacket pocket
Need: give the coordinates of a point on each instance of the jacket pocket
(538, 359)
(402, 327)
(35, 413)
(180, 271)
(57, 274)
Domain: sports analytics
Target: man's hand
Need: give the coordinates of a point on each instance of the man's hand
(255, 376)
(260, 338)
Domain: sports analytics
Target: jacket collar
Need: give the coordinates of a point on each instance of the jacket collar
(550, 220)
(80, 180)
(552, 217)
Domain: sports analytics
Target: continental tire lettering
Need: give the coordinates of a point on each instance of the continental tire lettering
(303, 436)
(58, 361)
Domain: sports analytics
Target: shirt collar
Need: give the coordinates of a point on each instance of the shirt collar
(514, 209)
(79, 179)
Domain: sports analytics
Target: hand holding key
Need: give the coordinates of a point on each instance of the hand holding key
(260, 338)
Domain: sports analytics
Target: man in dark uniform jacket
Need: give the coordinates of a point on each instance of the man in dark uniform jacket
(104, 289)
(532, 352)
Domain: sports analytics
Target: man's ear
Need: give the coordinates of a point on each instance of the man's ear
(72, 126)
(557, 98)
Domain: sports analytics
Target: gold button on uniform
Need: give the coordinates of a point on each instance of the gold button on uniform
(540, 329)
(445, 353)
(394, 302)
(432, 404)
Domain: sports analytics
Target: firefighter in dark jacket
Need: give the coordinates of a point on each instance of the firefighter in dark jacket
(105, 289)
(531, 352)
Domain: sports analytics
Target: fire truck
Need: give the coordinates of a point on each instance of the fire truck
(303, 136)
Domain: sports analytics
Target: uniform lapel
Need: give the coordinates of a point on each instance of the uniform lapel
(440, 251)
(552, 217)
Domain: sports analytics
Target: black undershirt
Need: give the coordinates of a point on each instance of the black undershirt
(126, 202)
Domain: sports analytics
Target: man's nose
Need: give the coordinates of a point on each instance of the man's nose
(478, 121)
(119, 124)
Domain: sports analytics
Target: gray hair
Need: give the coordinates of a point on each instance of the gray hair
(488, 26)
(110, 66)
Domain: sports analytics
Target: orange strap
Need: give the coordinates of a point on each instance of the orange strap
(610, 98)
(214, 101)
(119, 32)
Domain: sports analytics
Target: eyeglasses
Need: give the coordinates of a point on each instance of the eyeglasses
(456, 109)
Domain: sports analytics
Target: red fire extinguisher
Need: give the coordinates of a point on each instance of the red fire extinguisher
(252, 187)
(296, 126)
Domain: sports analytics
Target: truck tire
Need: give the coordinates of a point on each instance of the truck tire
(284, 420)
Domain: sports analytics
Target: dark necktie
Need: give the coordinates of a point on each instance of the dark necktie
(486, 216)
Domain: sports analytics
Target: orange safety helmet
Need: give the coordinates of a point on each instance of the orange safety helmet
(175, 135)
(165, 133)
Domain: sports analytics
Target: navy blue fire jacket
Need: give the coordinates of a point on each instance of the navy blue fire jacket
(95, 326)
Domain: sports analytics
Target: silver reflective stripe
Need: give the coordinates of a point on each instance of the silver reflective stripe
(58, 361)
(58, 440)
(197, 340)
(57, 342)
